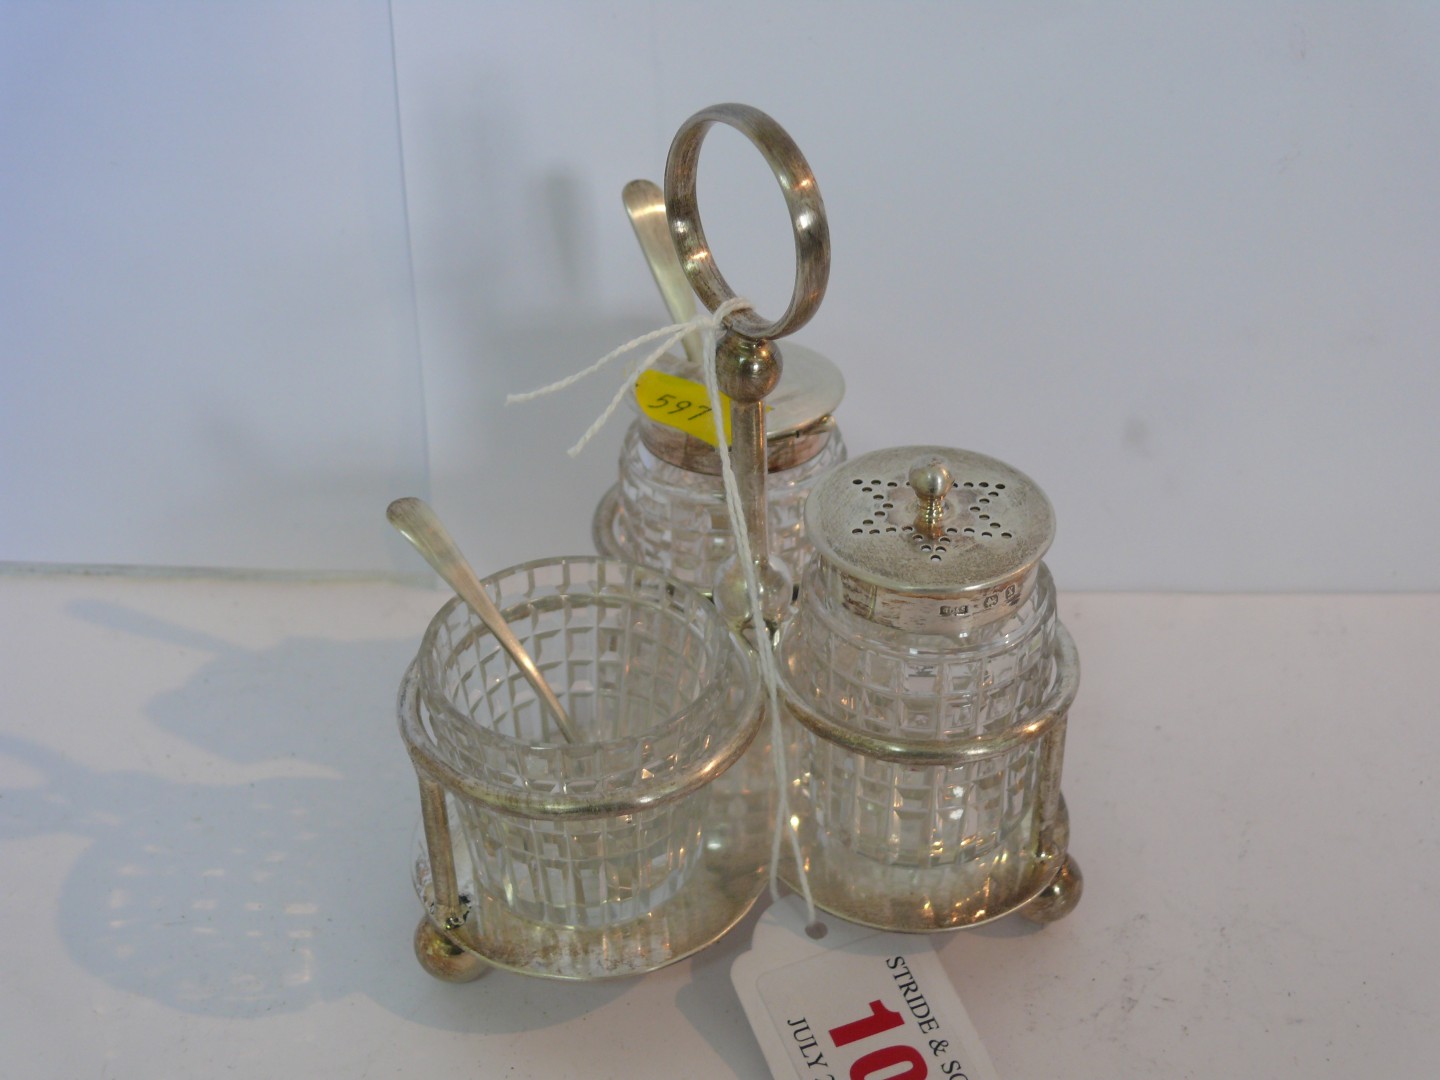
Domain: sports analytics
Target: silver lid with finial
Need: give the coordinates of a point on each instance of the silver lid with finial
(930, 539)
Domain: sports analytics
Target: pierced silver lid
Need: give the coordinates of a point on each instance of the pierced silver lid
(928, 538)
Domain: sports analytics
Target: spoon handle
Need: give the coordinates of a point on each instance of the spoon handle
(415, 521)
(645, 203)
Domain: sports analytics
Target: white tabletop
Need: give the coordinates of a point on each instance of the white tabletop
(206, 820)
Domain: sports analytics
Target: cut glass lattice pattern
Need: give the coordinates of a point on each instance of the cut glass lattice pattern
(587, 872)
(676, 519)
(645, 669)
(871, 678)
(921, 815)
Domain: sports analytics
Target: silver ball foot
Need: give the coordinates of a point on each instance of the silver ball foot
(443, 959)
(1059, 897)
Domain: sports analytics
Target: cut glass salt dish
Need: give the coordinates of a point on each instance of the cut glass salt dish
(609, 856)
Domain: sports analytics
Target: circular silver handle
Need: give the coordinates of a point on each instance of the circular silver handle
(802, 199)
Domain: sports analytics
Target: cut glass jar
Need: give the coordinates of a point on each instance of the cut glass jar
(931, 679)
(668, 509)
(567, 859)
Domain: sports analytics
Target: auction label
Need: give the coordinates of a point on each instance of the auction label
(680, 403)
(866, 1006)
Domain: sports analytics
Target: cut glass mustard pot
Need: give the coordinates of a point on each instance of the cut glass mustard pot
(931, 679)
(668, 508)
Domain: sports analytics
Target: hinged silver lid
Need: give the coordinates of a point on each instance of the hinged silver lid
(798, 414)
(928, 538)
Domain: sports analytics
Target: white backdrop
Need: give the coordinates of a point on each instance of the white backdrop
(268, 265)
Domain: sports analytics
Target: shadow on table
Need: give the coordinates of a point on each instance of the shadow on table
(265, 896)
(710, 1002)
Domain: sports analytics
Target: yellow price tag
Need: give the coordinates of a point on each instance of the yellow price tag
(682, 404)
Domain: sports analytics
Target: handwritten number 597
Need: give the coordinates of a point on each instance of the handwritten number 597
(679, 406)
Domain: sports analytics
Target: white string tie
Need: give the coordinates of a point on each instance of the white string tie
(764, 649)
(671, 336)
